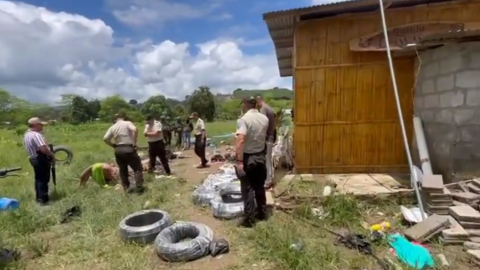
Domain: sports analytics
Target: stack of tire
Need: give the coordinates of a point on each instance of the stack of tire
(226, 202)
(156, 226)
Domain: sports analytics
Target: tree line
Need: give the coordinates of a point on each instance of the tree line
(76, 109)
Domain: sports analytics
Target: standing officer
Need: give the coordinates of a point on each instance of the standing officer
(40, 157)
(251, 164)
(271, 136)
(125, 134)
(156, 145)
(200, 139)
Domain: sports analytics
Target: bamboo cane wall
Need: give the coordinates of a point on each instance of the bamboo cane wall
(345, 114)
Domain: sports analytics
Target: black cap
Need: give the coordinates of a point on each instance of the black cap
(250, 100)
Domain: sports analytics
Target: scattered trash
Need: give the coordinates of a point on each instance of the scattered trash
(298, 246)
(413, 255)
(146, 205)
(319, 212)
(412, 215)
(70, 213)
(381, 227)
(218, 247)
(327, 191)
(8, 255)
(8, 204)
(443, 260)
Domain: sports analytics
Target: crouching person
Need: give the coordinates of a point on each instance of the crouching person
(103, 174)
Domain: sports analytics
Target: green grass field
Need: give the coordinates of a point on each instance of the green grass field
(91, 241)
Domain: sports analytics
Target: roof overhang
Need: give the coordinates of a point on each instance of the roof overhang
(281, 24)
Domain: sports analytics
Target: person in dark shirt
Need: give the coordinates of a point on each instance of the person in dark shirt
(266, 110)
(178, 133)
(187, 134)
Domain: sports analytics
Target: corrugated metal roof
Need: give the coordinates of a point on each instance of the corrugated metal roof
(281, 23)
(307, 8)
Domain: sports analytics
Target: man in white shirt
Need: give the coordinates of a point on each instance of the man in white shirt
(200, 139)
(156, 146)
(124, 135)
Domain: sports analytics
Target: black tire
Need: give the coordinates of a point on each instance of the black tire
(60, 148)
(228, 204)
(142, 227)
(171, 248)
(202, 197)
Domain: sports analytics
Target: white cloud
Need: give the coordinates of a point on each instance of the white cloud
(44, 54)
(149, 12)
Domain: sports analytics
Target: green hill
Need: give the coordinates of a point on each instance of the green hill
(275, 93)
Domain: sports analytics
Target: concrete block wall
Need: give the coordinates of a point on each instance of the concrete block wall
(447, 99)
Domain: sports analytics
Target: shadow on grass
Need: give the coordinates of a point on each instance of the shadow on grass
(57, 195)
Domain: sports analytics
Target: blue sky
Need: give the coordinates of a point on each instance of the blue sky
(229, 18)
(137, 48)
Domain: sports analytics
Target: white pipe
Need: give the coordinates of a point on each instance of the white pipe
(422, 146)
(399, 111)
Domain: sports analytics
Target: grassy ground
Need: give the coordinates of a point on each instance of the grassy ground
(91, 241)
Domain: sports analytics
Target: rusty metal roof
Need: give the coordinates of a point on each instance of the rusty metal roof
(281, 23)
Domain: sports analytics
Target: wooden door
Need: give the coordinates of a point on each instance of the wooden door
(346, 118)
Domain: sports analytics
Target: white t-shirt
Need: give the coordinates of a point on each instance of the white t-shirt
(157, 126)
(199, 126)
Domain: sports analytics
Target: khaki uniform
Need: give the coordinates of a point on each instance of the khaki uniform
(157, 126)
(200, 145)
(125, 153)
(156, 147)
(253, 125)
(121, 132)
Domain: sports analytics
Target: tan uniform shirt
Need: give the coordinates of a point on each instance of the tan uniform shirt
(157, 126)
(121, 132)
(199, 126)
(254, 126)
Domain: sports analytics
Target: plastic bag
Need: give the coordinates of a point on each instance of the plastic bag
(218, 247)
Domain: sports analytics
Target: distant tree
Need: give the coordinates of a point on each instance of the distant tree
(133, 102)
(79, 112)
(156, 105)
(94, 108)
(116, 104)
(203, 102)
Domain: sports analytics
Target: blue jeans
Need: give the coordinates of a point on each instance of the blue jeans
(186, 139)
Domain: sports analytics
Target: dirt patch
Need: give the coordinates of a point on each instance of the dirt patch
(185, 169)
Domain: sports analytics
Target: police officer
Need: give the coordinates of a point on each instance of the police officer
(251, 161)
(124, 135)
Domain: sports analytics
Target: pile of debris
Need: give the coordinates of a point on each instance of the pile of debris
(455, 218)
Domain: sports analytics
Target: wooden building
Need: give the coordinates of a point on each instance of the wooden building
(346, 119)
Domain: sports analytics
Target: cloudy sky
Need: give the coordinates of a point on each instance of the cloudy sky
(136, 48)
